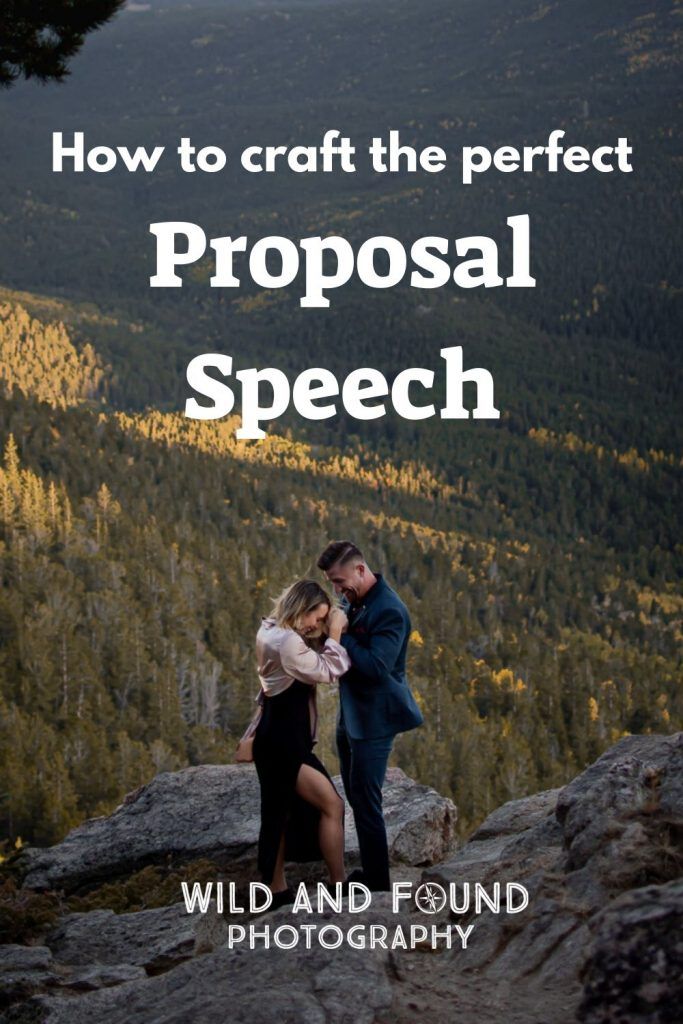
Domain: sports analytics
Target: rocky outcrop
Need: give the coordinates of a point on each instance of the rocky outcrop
(213, 811)
(240, 985)
(634, 971)
(599, 942)
(154, 939)
(26, 970)
(577, 850)
(621, 816)
(309, 987)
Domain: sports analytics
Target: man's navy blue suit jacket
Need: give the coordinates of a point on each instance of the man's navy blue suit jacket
(374, 695)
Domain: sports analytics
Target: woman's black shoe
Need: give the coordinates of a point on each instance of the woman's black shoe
(280, 899)
(359, 876)
(356, 876)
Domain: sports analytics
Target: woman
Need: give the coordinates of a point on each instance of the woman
(302, 814)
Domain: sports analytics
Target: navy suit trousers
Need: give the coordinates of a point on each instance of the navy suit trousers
(363, 768)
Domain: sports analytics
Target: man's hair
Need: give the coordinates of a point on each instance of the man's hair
(339, 552)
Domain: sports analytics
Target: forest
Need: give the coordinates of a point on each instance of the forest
(135, 575)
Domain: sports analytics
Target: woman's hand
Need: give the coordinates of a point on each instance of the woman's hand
(336, 623)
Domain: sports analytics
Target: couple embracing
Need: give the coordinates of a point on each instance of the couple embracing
(307, 641)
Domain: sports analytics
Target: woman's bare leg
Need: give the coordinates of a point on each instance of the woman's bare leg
(278, 883)
(317, 789)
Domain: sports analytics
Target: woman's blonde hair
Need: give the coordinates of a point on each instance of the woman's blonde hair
(297, 600)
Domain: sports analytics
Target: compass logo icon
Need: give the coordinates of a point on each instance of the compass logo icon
(430, 898)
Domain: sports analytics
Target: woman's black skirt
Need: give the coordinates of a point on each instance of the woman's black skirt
(282, 743)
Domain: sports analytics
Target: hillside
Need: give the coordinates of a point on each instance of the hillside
(139, 551)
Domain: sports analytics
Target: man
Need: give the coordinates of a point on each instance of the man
(374, 699)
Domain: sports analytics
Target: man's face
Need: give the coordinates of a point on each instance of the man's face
(349, 579)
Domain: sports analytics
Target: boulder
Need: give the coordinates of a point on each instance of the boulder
(517, 839)
(517, 815)
(420, 822)
(95, 976)
(578, 850)
(213, 811)
(243, 986)
(617, 814)
(24, 970)
(634, 968)
(154, 939)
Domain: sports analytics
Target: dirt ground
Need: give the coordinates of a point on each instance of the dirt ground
(426, 989)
